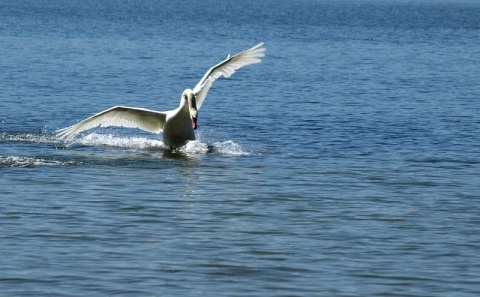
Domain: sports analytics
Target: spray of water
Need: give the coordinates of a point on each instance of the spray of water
(197, 147)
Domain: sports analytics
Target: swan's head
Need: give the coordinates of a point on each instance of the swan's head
(189, 97)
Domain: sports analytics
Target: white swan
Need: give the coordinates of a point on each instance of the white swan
(177, 125)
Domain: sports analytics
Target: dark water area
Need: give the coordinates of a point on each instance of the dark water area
(345, 164)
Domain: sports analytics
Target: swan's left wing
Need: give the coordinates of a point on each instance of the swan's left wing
(119, 116)
(226, 68)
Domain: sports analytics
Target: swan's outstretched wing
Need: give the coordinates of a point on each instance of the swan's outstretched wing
(226, 68)
(119, 116)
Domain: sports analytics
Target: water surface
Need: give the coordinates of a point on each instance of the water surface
(345, 164)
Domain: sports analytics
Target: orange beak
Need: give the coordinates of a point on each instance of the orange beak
(194, 123)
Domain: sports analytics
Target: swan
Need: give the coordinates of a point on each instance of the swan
(177, 125)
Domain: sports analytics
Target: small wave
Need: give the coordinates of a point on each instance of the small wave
(17, 161)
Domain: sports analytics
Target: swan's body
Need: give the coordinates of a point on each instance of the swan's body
(177, 125)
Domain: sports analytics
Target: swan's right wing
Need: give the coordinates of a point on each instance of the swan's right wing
(226, 68)
(119, 116)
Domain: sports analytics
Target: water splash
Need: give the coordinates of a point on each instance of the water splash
(27, 137)
(111, 140)
(230, 148)
(138, 142)
(17, 161)
(197, 147)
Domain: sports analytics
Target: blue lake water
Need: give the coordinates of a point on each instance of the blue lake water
(347, 163)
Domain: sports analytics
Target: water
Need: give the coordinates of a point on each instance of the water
(346, 164)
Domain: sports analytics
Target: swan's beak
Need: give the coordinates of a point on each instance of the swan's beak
(193, 111)
(194, 123)
(194, 116)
